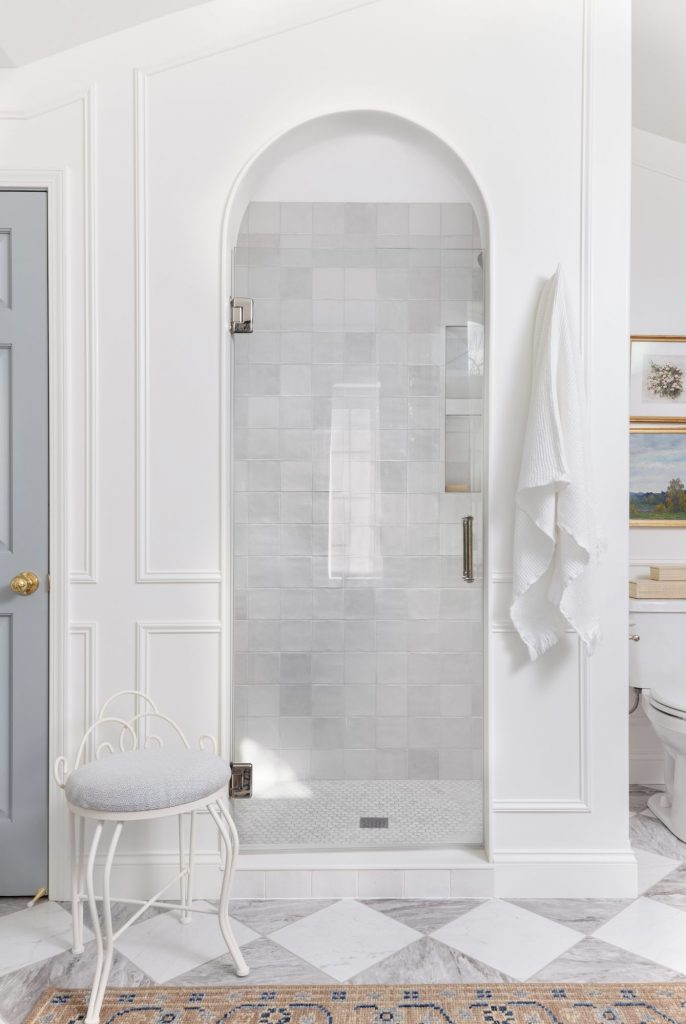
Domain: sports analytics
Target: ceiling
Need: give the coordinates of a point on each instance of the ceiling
(659, 67)
(32, 29)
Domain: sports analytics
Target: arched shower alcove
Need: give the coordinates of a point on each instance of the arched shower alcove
(357, 412)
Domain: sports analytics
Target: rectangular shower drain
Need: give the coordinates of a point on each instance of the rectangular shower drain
(373, 822)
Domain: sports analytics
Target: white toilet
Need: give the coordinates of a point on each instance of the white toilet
(657, 665)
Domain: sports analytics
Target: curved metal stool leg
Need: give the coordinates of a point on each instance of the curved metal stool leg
(229, 836)
(105, 962)
(93, 907)
(77, 872)
(187, 866)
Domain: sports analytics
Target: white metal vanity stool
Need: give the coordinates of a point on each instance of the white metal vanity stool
(141, 781)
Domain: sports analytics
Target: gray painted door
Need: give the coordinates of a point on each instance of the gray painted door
(23, 541)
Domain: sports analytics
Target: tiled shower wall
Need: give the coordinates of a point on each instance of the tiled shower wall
(369, 668)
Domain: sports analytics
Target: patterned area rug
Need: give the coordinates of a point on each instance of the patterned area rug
(368, 1004)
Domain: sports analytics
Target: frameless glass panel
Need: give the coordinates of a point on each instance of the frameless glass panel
(357, 669)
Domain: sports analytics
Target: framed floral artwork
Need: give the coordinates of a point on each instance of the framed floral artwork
(657, 489)
(658, 379)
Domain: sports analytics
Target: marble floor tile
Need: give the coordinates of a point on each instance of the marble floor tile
(34, 934)
(266, 916)
(270, 964)
(423, 915)
(651, 930)
(650, 834)
(165, 948)
(345, 938)
(671, 889)
(11, 904)
(506, 937)
(121, 912)
(652, 867)
(583, 915)
(597, 961)
(21, 989)
(427, 961)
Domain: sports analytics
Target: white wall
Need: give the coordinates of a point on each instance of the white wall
(658, 306)
(152, 155)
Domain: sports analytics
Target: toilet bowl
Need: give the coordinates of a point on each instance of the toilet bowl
(670, 725)
(657, 667)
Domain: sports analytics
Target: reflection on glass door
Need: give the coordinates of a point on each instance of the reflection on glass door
(357, 443)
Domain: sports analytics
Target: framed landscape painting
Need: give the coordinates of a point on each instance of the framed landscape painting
(657, 476)
(658, 379)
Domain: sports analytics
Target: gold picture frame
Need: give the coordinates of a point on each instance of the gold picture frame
(657, 463)
(657, 373)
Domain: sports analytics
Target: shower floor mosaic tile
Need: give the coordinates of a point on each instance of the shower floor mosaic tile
(326, 815)
(378, 941)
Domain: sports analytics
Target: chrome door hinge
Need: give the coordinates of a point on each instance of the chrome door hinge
(240, 786)
(241, 316)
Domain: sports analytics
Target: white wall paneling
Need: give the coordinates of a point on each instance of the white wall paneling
(84, 699)
(166, 485)
(88, 434)
(186, 653)
(179, 114)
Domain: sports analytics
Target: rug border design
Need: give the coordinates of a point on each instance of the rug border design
(535, 995)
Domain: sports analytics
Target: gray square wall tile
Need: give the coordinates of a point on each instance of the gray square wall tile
(347, 673)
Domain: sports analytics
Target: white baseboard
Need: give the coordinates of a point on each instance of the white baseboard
(646, 769)
(565, 874)
(524, 874)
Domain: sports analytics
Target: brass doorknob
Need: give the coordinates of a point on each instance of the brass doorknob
(25, 583)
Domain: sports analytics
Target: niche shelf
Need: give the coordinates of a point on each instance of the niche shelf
(464, 350)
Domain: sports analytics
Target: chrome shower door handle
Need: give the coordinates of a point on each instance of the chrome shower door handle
(468, 549)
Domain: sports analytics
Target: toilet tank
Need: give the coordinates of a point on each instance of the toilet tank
(660, 654)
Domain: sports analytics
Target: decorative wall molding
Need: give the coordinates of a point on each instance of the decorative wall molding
(88, 631)
(144, 571)
(581, 804)
(146, 630)
(89, 573)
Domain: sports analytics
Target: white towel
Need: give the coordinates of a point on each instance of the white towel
(555, 546)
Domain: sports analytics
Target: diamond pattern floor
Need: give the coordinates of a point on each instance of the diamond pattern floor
(383, 941)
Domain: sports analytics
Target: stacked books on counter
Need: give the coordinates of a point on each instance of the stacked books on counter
(665, 581)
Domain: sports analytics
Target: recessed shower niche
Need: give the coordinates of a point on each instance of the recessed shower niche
(357, 436)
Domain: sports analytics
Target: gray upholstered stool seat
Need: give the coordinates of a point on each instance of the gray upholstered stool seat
(146, 780)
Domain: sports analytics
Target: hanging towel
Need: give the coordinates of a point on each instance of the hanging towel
(555, 546)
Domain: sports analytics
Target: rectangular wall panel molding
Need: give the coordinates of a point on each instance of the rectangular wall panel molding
(84, 704)
(199, 517)
(175, 660)
(83, 559)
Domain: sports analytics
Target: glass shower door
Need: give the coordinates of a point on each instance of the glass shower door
(357, 425)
